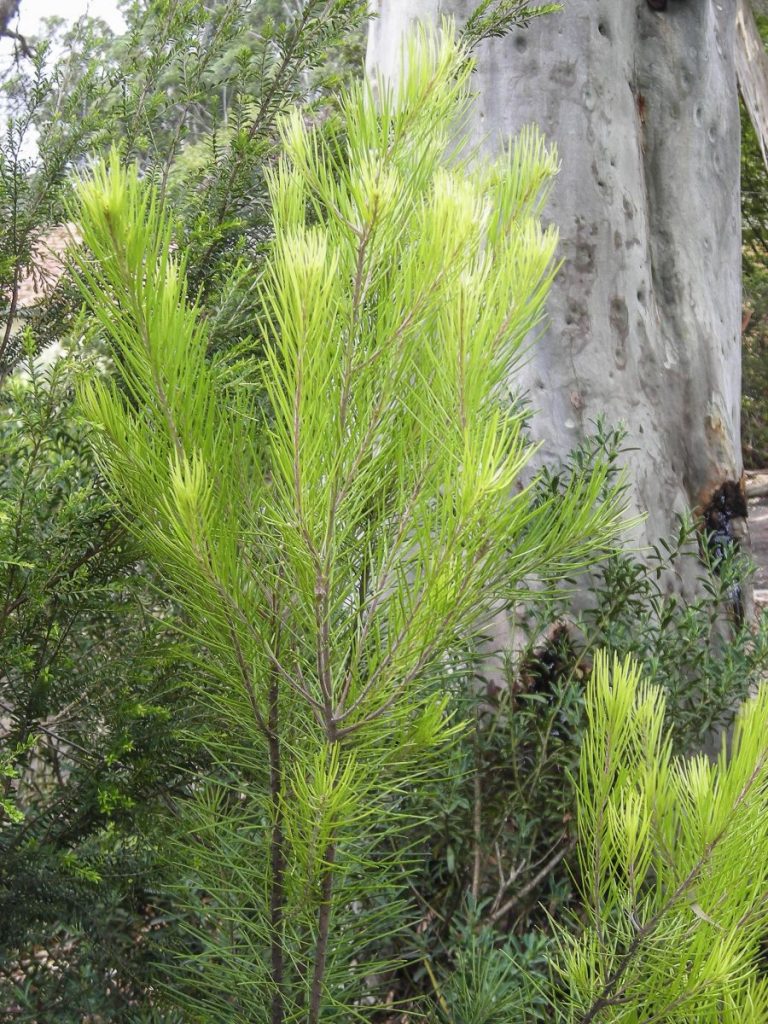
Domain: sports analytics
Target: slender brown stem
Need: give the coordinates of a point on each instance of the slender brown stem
(477, 815)
(529, 886)
(11, 316)
(277, 857)
(323, 930)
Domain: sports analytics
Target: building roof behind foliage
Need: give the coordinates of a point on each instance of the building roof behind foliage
(40, 279)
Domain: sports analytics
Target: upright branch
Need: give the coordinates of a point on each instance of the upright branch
(673, 865)
(335, 533)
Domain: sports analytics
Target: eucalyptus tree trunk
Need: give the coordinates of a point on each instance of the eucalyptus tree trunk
(644, 320)
(752, 71)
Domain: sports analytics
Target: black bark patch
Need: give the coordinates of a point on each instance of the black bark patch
(577, 316)
(584, 261)
(553, 659)
(727, 504)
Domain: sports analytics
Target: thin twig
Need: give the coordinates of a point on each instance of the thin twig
(531, 885)
(477, 814)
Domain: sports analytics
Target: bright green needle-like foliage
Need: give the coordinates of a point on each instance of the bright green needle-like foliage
(674, 866)
(330, 551)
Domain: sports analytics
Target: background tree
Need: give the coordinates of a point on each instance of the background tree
(754, 207)
(644, 321)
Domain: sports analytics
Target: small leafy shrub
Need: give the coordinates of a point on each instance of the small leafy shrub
(334, 533)
(673, 865)
(88, 720)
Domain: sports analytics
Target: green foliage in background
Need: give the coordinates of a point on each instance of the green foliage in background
(88, 746)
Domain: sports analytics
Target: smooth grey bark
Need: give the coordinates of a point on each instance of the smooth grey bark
(645, 316)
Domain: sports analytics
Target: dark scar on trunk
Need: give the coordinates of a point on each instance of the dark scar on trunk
(726, 504)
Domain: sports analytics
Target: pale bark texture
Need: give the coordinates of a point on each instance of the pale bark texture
(644, 319)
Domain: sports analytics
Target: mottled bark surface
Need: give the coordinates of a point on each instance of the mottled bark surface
(644, 319)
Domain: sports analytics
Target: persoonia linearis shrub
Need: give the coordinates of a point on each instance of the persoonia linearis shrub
(335, 510)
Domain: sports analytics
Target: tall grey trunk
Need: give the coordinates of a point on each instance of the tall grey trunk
(752, 72)
(645, 316)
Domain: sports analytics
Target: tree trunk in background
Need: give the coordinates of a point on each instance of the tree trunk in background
(645, 316)
(752, 72)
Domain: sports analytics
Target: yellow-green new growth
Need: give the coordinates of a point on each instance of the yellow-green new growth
(673, 866)
(330, 551)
